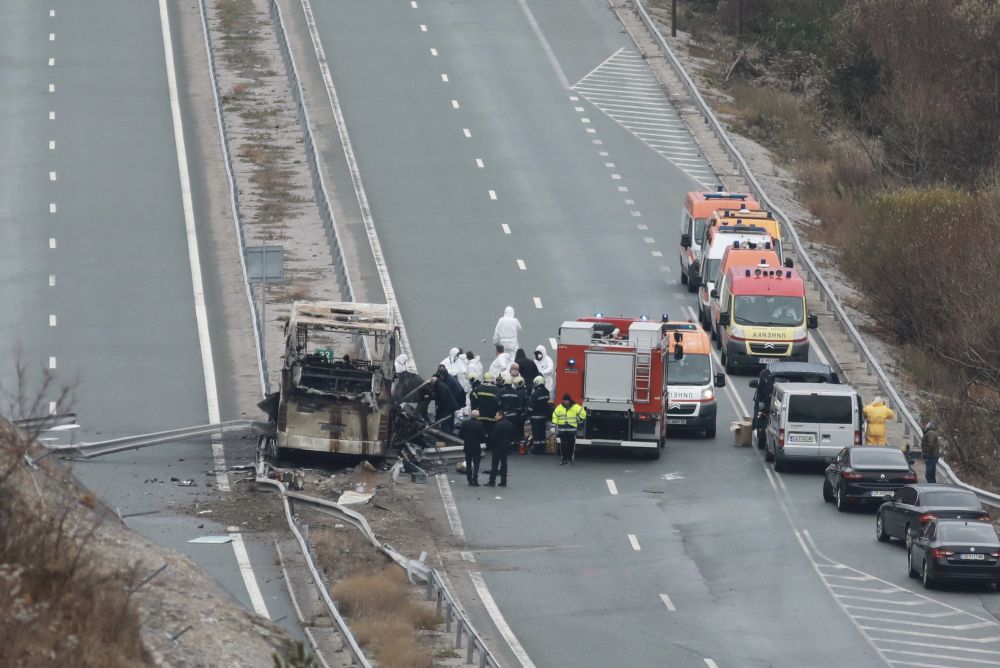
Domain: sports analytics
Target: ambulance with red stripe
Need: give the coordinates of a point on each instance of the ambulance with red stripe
(761, 316)
(691, 379)
(698, 209)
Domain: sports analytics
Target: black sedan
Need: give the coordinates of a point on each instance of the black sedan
(866, 475)
(955, 550)
(914, 506)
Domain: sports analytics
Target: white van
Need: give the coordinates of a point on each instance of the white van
(711, 260)
(812, 422)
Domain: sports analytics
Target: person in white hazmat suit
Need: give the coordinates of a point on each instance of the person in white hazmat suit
(455, 364)
(546, 366)
(501, 363)
(507, 330)
(473, 365)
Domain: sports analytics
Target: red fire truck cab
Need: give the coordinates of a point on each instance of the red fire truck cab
(617, 369)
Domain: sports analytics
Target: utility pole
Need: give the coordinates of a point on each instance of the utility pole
(673, 18)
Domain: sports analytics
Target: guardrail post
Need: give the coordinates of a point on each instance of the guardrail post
(430, 587)
(447, 619)
(458, 634)
(439, 597)
(472, 649)
(482, 659)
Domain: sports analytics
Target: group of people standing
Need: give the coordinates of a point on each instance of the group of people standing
(496, 403)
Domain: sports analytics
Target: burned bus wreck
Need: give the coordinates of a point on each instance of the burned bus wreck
(336, 380)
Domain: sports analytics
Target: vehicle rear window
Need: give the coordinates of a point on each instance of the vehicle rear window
(819, 408)
(887, 457)
(952, 499)
(966, 533)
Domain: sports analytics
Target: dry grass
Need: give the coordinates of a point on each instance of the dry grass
(60, 605)
(377, 600)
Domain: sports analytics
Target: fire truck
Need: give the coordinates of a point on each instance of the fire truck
(616, 368)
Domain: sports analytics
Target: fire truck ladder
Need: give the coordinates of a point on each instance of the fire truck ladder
(643, 373)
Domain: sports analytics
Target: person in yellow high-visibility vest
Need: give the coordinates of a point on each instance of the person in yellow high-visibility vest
(876, 415)
(567, 418)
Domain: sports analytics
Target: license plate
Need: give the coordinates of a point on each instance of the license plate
(972, 557)
(767, 360)
(801, 438)
(881, 492)
(676, 421)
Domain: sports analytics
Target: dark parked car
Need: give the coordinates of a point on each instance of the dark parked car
(955, 550)
(913, 506)
(866, 475)
(783, 372)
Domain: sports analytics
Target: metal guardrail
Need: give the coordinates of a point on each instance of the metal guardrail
(234, 200)
(110, 446)
(911, 426)
(455, 619)
(315, 166)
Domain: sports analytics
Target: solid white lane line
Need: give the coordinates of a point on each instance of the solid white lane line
(52, 362)
(52, 62)
(505, 227)
(612, 488)
(521, 265)
(467, 133)
(711, 664)
(423, 28)
(450, 507)
(444, 77)
(454, 104)
(498, 619)
(52, 176)
(493, 194)
(817, 350)
(52, 280)
(549, 53)
(52, 242)
(52, 207)
(479, 163)
(52, 320)
(538, 302)
(553, 343)
(667, 602)
(246, 570)
(634, 542)
(194, 259)
(52, 145)
(434, 51)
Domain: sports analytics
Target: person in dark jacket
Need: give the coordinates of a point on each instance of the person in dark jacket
(452, 382)
(930, 449)
(501, 440)
(485, 398)
(521, 414)
(527, 367)
(473, 435)
(444, 404)
(510, 398)
(538, 411)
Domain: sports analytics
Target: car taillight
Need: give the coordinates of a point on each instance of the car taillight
(910, 477)
(781, 438)
(848, 474)
(995, 555)
(984, 517)
(927, 517)
(857, 437)
(938, 553)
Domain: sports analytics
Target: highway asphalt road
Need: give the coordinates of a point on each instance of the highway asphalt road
(492, 183)
(96, 280)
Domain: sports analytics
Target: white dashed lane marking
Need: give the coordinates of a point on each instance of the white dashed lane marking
(444, 77)
(52, 242)
(52, 176)
(624, 88)
(454, 104)
(493, 194)
(52, 207)
(423, 28)
(521, 265)
(52, 280)
(667, 602)
(538, 302)
(52, 37)
(479, 163)
(467, 133)
(52, 320)
(634, 542)
(52, 362)
(52, 145)
(434, 51)
(612, 487)
(657, 254)
(52, 115)
(505, 227)
(52, 62)
(52, 88)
